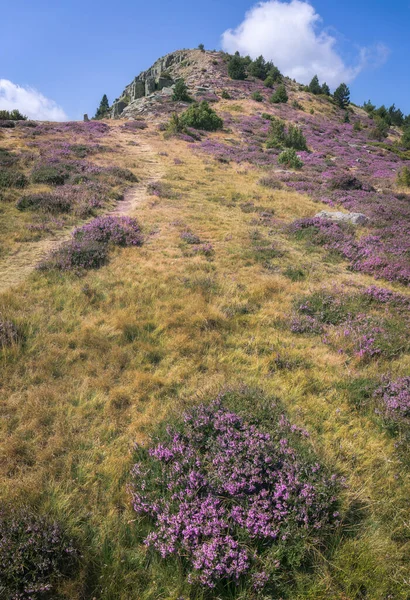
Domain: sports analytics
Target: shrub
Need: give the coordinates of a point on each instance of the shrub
(280, 95)
(201, 116)
(201, 47)
(342, 96)
(295, 139)
(235, 503)
(257, 96)
(160, 189)
(12, 179)
(180, 93)
(189, 237)
(277, 135)
(290, 159)
(8, 334)
(403, 178)
(357, 126)
(120, 231)
(34, 556)
(225, 95)
(270, 182)
(405, 140)
(124, 174)
(297, 105)
(236, 68)
(395, 400)
(175, 125)
(345, 182)
(49, 175)
(76, 254)
(381, 129)
(46, 202)
(325, 90)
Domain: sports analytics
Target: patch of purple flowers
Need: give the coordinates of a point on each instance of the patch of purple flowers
(120, 231)
(225, 497)
(395, 399)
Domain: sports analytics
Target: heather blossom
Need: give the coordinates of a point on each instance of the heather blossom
(223, 495)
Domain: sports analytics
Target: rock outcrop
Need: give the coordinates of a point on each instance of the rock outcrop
(155, 85)
(339, 217)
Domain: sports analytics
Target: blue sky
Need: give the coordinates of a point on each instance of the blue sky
(73, 51)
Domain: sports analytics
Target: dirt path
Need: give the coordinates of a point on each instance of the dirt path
(16, 267)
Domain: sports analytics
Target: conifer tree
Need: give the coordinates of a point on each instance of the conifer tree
(103, 108)
(325, 89)
(342, 96)
(236, 67)
(314, 86)
(181, 92)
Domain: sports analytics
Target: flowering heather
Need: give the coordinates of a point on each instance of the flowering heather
(120, 231)
(34, 556)
(231, 500)
(76, 255)
(346, 327)
(395, 399)
(189, 237)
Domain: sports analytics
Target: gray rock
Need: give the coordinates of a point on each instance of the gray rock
(339, 217)
(149, 86)
(86, 119)
(117, 108)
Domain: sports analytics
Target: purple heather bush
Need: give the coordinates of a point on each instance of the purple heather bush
(236, 504)
(90, 244)
(119, 231)
(189, 237)
(34, 556)
(394, 400)
(367, 324)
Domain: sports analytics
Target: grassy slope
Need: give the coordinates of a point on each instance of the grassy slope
(109, 355)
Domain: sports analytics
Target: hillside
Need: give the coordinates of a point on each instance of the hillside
(148, 271)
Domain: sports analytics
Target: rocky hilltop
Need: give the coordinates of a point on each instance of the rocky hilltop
(201, 70)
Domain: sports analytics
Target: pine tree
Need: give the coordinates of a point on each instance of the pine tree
(314, 86)
(342, 96)
(236, 67)
(325, 89)
(181, 92)
(274, 76)
(258, 68)
(280, 95)
(103, 108)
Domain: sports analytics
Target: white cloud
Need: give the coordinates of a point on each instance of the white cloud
(30, 102)
(288, 33)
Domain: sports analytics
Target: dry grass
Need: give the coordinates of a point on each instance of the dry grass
(108, 356)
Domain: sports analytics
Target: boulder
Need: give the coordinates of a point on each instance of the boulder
(339, 217)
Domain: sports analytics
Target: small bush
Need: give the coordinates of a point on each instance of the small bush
(225, 95)
(357, 126)
(380, 131)
(277, 135)
(405, 140)
(257, 96)
(345, 182)
(160, 189)
(403, 178)
(45, 202)
(290, 159)
(232, 500)
(120, 231)
(189, 237)
(12, 179)
(394, 397)
(297, 105)
(280, 96)
(49, 175)
(8, 334)
(270, 182)
(295, 139)
(124, 174)
(34, 556)
(76, 254)
(201, 116)
(181, 92)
